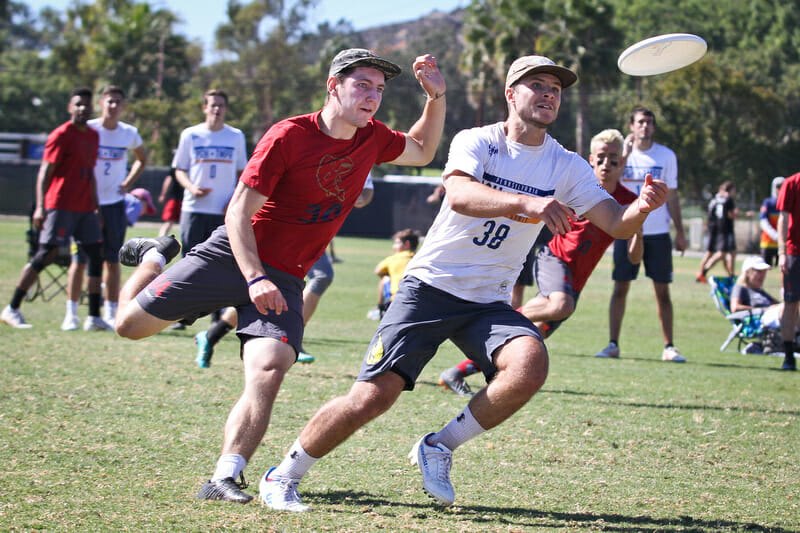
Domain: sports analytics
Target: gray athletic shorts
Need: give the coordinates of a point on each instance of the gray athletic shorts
(197, 227)
(60, 225)
(115, 223)
(657, 259)
(791, 280)
(208, 279)
(320, 276)
(553, 275)
(422, 317)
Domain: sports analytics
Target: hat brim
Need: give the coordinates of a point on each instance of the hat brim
(389, 69)
(564, 75)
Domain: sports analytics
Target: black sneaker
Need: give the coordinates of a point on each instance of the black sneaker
(789, 364)
(225, 489)
(134, 249)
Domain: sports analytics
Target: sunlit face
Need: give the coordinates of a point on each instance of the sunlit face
(755, 278)
(536, 99)
(397, 245)
(606, 160)
(358, 95)
(643, 126)
(80, 109)
(214, 109)
(111, 105)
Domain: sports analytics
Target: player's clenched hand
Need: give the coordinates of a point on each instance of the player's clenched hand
(267, 297)
(426, 70)
(653, 194)
(553, 213)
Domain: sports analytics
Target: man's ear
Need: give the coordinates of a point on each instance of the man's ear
(333, 85)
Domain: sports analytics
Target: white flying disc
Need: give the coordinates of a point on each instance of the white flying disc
(661, 54)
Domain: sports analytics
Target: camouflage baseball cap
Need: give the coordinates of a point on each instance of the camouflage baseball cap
(359, 57)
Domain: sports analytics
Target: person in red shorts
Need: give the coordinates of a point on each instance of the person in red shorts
(302, 180)
(66, 204)
(171, 196)
(564, 264)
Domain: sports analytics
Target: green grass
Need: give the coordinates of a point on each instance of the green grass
(98, 433)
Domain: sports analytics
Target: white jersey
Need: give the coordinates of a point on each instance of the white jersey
(661, 162)
(213, 159)
(111, 168)
(479, 259)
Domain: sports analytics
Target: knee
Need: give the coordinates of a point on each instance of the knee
(563, 309)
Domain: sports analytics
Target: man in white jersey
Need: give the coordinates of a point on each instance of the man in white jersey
(504, 182)
(114, 180)
(207, 163)
(648, 158)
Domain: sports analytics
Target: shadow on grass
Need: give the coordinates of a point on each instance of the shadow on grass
(604, 399)
(531, 518)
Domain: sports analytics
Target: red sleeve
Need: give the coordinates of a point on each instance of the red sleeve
(391, 144)
(268, 162)
(54, 147)
(786, 201)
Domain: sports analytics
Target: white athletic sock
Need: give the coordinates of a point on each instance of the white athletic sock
(109, 309)
(229, 465)
(72, 308)
(154, 255)
(458, 431)
(296, 463)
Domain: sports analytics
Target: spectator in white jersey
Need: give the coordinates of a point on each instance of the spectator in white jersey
(647, 157)
(504, 182)
(207, 164)
(114, 181)
(209, 158)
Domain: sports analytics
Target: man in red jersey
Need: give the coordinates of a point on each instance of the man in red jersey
(789, 262)
(563, 266)
(303, 179)
(66, 204)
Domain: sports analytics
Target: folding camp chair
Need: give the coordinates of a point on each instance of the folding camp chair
(52, 280)
(745, 325)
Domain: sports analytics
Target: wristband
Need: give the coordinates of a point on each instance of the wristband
(435, 96)
(256, 280)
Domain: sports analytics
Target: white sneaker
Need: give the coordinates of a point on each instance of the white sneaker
(672, 354)
(95, 323)
(609, 352)
(280, 494)
(434, 462)
(14, 318)
(71, 323)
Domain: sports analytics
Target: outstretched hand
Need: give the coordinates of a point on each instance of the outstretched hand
(427, 72)
(653, 195)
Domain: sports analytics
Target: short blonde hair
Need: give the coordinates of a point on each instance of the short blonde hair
(609, 136)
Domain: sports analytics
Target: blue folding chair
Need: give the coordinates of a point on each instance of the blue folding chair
(745, 325)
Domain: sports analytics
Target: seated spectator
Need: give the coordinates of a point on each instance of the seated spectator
(748, 293)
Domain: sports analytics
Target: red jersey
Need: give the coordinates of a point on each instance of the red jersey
(789, 201)
(312, 182)
(73, 153)
(583, 246)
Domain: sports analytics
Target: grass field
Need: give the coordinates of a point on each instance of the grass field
(98, 433)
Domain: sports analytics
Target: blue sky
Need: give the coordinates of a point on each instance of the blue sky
(201, 18)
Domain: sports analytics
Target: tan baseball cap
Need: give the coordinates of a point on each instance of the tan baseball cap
(525, 65)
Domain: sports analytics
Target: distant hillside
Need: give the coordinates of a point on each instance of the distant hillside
(397, 37)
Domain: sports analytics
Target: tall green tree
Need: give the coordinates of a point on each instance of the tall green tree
(265, 75)
(578, 33)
